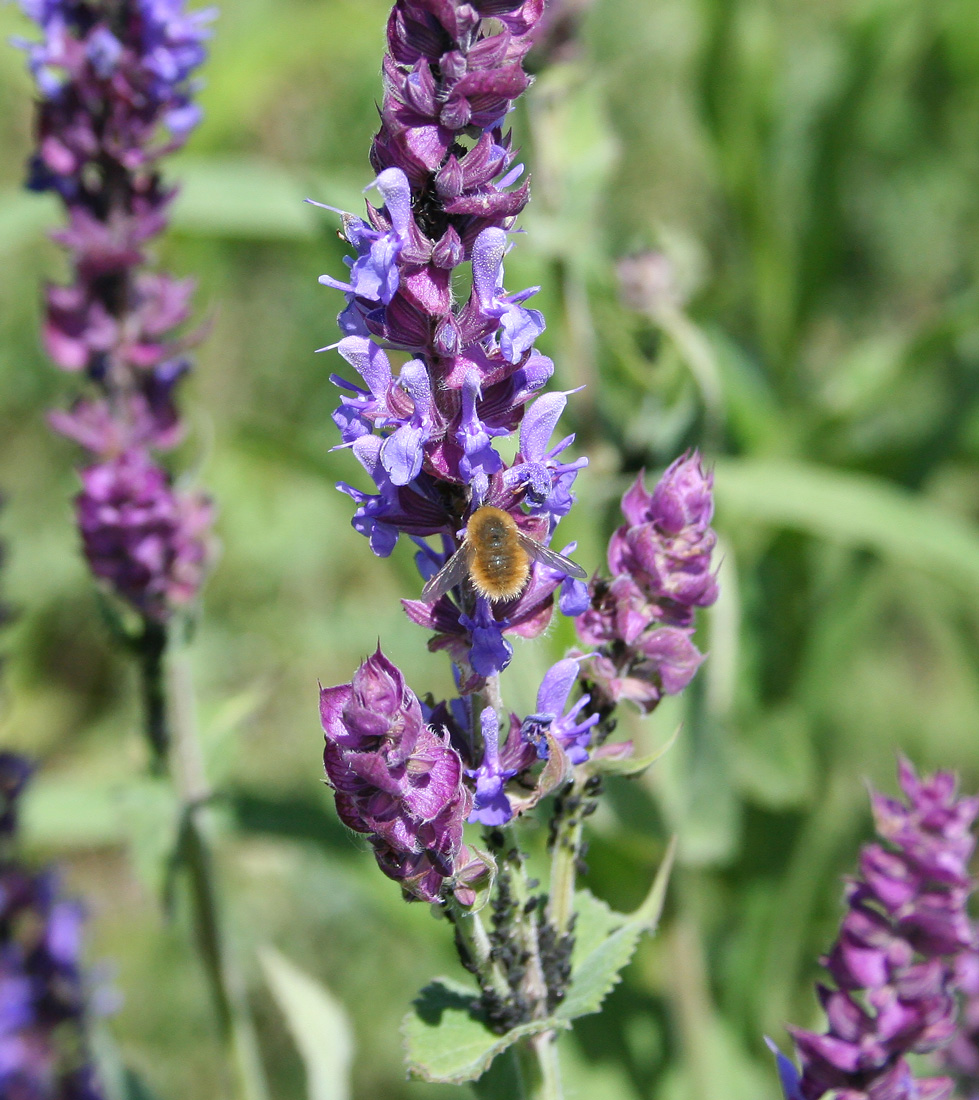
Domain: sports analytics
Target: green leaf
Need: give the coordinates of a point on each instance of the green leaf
(118, 1081)
(241, 197)
(318, 1024)
(446, 1036)
(605, 942)
(629, 765)
(854, 509)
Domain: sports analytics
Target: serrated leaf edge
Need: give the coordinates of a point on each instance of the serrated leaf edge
(644, 919)
(420, 1072)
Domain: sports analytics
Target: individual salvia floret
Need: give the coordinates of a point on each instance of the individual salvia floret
(552, 729)
(396, 779)
(43, 996)
(431, 437)
(641, 617)
(116, 94)
(893, 965)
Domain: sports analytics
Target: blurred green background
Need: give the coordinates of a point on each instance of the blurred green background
(810, 170)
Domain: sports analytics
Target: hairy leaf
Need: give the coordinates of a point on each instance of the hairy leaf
(446, 1036)
(605, 942)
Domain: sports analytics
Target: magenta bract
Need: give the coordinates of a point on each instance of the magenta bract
(395, 779)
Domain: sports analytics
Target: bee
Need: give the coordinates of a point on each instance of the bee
(496, 556)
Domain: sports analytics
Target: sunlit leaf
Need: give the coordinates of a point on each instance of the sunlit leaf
(854, 509)
(605, 942)
(318, 1024)
(447, 1038)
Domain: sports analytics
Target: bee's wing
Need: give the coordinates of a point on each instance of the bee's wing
(452, 573)
(546, 556)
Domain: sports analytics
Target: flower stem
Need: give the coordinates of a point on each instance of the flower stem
(151, 648)
(533, 985)
(475, 942)
(228, 993)
(565, 853)
(537, 1067)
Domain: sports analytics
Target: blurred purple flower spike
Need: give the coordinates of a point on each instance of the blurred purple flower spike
(894, 961)
(116, 94)
(146, 540)
(44, 998)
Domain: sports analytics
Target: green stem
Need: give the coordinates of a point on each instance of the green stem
(152, 647)
(564, 862)
(537, 1067)
(476, 943)
(228, 991)
(533, 986)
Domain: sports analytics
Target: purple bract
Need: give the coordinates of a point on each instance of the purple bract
(148, 541)
(396, 779)
(641, 619)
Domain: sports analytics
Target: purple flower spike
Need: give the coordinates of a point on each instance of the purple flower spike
(660, 560)
(451, 190)
(44, 999)
(895, 960)
(396, 779)
(115, 94)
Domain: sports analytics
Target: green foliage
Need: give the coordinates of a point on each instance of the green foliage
(318, 1024)
(447, 1038)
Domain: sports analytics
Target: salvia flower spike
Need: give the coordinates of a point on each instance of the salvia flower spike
(892, 969)
(429, 436)
(44, 998)
(641, 619)
(116, 93)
